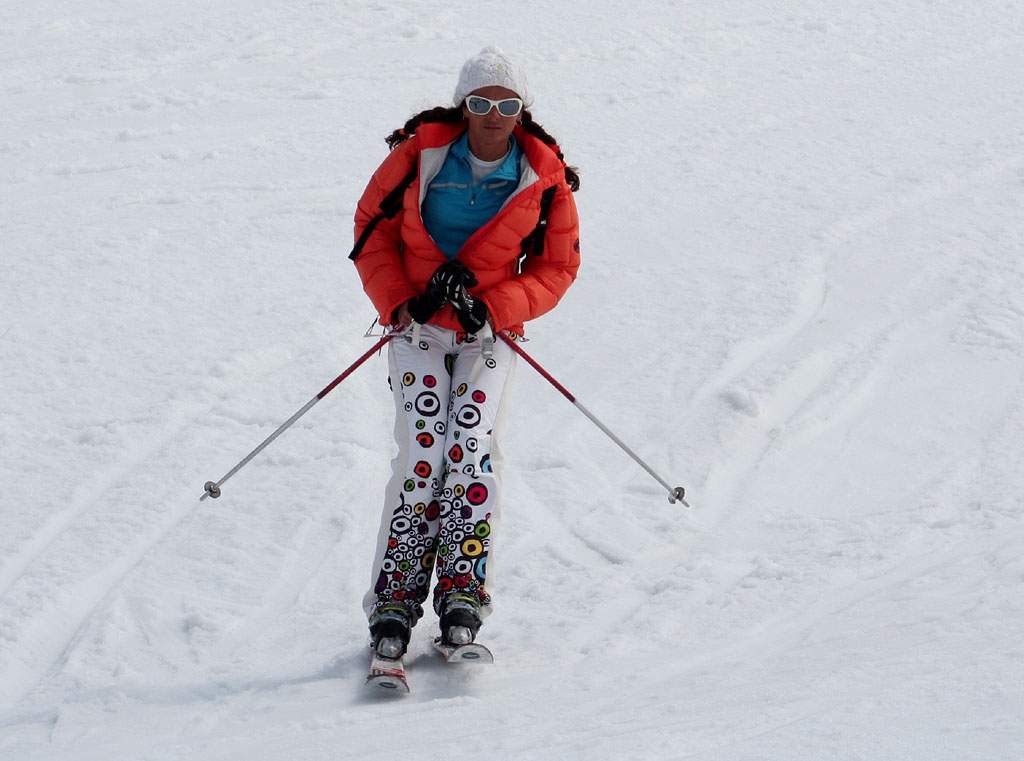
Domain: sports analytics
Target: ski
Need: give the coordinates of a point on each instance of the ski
(471, 653)
(387, 674)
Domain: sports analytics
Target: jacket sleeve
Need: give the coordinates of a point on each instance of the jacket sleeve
(379, 264)
(543, 280)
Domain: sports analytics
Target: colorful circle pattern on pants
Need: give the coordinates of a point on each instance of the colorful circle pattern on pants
(441, 519)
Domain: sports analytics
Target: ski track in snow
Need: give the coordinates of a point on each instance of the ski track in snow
(801, 299)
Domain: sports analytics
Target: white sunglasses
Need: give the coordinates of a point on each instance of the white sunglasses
(481, 106)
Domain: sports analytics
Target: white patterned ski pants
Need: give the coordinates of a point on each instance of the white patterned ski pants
(442, 502)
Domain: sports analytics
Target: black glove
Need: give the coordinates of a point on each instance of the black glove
(471, 313)
(473, 316)
(456, 278)
(424, 306)
(448, 283)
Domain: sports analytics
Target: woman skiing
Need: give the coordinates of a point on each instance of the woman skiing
(457, 240)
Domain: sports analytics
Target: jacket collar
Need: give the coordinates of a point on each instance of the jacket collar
(542, 157)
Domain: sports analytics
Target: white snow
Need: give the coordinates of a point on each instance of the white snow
(802, 298)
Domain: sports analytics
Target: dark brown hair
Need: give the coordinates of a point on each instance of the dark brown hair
(453, 115)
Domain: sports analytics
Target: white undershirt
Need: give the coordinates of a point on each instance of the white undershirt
(483, 168)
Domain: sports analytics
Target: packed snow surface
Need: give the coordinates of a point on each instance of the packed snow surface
(802, 298)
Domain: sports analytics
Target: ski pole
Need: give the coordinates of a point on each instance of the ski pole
(212, 489)
(675, 494)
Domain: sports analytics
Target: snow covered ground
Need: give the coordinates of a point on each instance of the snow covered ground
(802, 298)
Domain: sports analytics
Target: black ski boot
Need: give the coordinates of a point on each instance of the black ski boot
(460, 618)
(390, 629)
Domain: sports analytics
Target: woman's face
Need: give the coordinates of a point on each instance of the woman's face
(488, 134)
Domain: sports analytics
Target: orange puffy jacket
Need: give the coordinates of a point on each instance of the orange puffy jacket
(399, 257)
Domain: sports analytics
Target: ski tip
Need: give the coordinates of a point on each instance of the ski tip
(387, 676)
(386, 684)
(471, 653)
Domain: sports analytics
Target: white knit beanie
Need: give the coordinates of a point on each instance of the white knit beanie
(492, 67)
